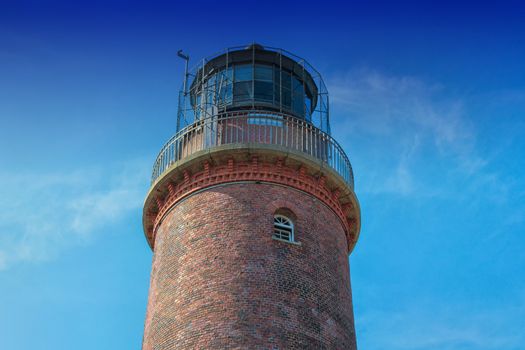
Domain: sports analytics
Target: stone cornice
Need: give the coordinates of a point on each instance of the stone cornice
(241, 166)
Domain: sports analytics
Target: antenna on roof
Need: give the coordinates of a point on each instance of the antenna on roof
(187, 59)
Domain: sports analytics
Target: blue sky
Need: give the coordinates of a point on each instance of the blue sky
(428, 100)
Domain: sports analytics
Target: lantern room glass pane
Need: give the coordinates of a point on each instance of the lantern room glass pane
(286, 98)
(243, 72)
(224, 85)
(298, 104)
(263, 90)
(244, 84)
(308, 107)
(263, 73)
(242, 91)
(297, 96)
(277, 76)
(286, 80)
(225, 93)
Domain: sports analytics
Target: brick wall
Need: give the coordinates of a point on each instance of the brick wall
(219, 280)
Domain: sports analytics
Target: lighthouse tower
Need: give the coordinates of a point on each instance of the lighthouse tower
(251, 214)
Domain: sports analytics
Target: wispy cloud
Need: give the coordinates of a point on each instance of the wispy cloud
(382, 104)
(43, 214)
(413, 126)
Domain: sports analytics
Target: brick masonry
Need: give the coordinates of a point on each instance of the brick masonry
(219, 280)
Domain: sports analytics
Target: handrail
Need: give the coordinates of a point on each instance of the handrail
(254, 127)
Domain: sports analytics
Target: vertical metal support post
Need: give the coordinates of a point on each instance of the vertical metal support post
(187, 59)
(253, 75)
(281, 81)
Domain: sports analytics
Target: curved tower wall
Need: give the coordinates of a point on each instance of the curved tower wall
(219, 280)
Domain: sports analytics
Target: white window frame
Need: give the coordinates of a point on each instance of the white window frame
(283, 226)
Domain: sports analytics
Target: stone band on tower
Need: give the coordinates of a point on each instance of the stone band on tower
(251, 214)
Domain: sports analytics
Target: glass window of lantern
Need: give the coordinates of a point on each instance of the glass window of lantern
(263, 83)
(210, 89)
(286, 80)
(263, 73)
(242, 91)
(277, 85)
(263, 91)
(286, 98)
(224, 83)
(243, 72)
(308, 107)
(286, 92)
(243, 86)
(298, 96)
(225, 94)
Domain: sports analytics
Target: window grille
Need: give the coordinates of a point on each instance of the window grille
(283, 228)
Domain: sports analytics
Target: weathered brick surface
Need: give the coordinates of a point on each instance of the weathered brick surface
(219, 280)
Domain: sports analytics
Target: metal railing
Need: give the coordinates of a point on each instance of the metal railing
(254, 127)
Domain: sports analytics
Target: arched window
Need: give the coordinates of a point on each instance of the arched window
(283, 228)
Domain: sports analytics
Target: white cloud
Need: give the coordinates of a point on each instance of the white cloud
(408, 122)
(43, 214)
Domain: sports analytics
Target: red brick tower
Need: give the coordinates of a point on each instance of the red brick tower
(251, 214)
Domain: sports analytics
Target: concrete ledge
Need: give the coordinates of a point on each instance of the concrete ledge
(285, 241)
